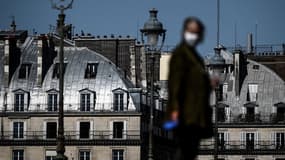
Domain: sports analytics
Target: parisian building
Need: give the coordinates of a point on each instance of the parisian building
(106, 110)
(248, 104)
(101, 105)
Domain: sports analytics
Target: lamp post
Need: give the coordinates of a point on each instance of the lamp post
(217, 66)
(61, 5)
(152, 30)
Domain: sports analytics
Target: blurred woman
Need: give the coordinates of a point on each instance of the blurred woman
(189, 91)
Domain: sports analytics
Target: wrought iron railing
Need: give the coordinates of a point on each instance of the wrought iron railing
(73, 135)
(243, 145)
(69, 107)
(273, 118)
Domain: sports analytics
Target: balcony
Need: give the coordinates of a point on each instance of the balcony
(72, 138)
(260, 119)
(68, 108)
(243, 147)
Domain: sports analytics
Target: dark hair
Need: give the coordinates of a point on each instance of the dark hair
(199, 23)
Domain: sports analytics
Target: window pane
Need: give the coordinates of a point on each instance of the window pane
(84, 129)
(51, 130)
(118, 129)
(18, 130)
(18, 154)
(84, 155)
(117, 154)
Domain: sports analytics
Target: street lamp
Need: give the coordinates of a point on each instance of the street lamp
(61, 5)
(152, 31)
(217, 70)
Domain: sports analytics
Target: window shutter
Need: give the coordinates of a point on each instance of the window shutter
(256, 134)
(227, 139)
(91, 129)
(77, 129)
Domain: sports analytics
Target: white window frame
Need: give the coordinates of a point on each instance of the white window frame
(85, 150)
(90, 132)
(18, 153)
(45, 128)
(50, 153)
(117, 149)
(124, 129)
(24, 129)
(52, 94)
(119, 100)
(253, 92)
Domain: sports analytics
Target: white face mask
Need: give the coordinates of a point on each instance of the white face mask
(191, 38)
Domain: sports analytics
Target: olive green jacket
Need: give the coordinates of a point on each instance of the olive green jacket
(189, 88)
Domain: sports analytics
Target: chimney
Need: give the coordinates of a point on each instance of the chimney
(13, 25)
(249, 43)
(240, 71)
(45, 57)
(12, 55)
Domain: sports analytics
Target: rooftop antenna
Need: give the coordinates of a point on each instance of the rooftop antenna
(13, 24)
(235, 30)
(256, 25)
(138, 30)
(218, 23)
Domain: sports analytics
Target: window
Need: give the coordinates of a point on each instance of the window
(255, 67)
(55, 73)
(19, 102)
(84, 130)
(219, 93)
(118, 128)
(91, 70)
(50, 155)
(118, 101)
(51, 129)
(280, 140)
(85, 102)
(52, 102)
(221, 114)
(225, 91)
(84, 155)
(252, 92)
(18, 130)
(24, 71)
(280, 114)
(117, 154)
(249, 141)
(221, 141)
(250, 114)
(18, 154)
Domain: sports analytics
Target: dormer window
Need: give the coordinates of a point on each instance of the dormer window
(252, 92)
(55, 73)
(21, 100)
(91, 70)
(87, 100)
(118, 101)
(24, 71)
(52, 100)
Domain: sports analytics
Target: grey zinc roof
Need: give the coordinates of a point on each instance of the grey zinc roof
(108, 78)
(271, 90)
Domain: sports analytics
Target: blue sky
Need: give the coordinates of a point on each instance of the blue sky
(123, 17)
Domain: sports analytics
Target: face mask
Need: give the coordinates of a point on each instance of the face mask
(191, 38)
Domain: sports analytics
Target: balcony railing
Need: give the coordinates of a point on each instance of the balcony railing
(68, 107)
(273, 118)
(73, 135)
(243, 145)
